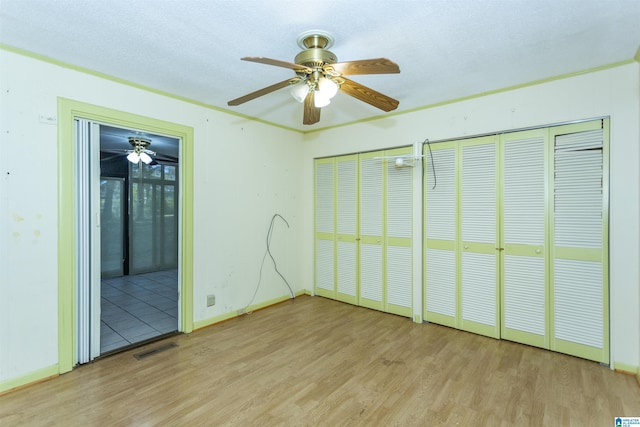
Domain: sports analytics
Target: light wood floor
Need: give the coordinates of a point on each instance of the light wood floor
(313, 361)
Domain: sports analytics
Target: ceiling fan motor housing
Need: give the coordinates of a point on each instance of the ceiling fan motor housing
(316, 57)
(139, 141)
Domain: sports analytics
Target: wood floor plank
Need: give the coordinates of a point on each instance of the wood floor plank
(315, 362)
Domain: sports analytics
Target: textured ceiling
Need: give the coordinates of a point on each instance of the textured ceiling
(446, 49)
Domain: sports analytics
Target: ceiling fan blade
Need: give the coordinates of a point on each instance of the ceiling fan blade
(368, 95)
(166, 158)
(111, 157)
(277, 63)
(311, 112)
(365, 66)
(263, 91)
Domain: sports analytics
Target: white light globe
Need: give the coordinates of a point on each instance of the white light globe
(321, 100)
(145, 158)
(328, 87)
(299, 91)
(133, 157)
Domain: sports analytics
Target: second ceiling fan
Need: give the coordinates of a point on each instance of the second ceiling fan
(319, 77)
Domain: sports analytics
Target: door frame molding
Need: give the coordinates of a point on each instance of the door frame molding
(68, 110)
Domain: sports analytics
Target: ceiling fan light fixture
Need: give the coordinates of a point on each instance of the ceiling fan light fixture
(145, 158)
(140, 151)
(321, 99)
(327, 87)
(299, 91)
(133, 157)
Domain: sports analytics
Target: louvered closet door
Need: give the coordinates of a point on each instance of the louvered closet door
(324, 228)
(371, 230)
(524, 279)
(399, 253)
(580, 286)
(440, 263)
(346, 227)
(478, 302)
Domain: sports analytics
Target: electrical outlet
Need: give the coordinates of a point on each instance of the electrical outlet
(211, 300)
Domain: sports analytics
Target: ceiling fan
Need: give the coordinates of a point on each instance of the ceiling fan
(319, 77)
(139, 152)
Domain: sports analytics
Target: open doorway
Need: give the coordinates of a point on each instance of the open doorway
(79, 168)
(139, 287)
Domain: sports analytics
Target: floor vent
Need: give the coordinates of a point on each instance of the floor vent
(152, 351)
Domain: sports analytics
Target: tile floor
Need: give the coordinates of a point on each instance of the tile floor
(137, 308)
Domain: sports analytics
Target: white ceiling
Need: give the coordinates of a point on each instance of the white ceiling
(446, 49)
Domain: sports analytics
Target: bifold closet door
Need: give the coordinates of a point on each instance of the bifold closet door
(579, 270)
(461, 248)
(371, 230)
(325, 228)
(516, 242)
(524, 278)
(478, 302)
(363, 230)
(441, 218)
(347, 228)
(399, 235)
(386, 281)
